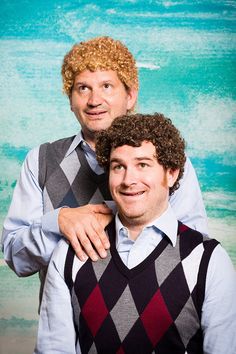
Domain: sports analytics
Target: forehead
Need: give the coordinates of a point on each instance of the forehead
(97, 76)
(127, 153)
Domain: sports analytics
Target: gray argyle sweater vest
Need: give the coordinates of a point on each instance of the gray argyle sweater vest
(154, 307)
(68, 180)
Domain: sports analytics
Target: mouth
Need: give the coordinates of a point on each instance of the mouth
(132, 194)
(96, 114)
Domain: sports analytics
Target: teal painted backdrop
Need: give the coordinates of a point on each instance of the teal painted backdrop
(186, 53)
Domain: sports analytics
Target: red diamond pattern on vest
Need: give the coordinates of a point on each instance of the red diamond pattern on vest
(143, 316)
(95, 310)
(156, 318)
(120, 351)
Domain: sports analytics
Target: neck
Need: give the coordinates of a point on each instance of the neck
(90, 139)
(136, 225)
(133, 226)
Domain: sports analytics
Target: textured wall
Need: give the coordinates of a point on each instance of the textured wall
(186, 55)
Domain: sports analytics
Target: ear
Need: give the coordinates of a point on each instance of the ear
(132, 98)
(172, 176)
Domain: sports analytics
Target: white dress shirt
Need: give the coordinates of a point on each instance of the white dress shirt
(29, 236)
(56, 328)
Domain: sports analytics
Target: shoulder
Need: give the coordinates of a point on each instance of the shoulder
(221, 267)
(193, 240)
(30, 163)
(49, 155)
(33, 155)
(62, 144)
(189, 171)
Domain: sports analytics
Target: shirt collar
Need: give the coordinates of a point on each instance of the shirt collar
(78, 139)
(166, 223)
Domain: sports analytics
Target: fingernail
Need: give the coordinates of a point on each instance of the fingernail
(83, 258)
(103, 254)
(107, 245)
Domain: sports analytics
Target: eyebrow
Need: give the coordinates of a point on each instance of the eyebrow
(86, 83)
(80, 83)
(140, 158)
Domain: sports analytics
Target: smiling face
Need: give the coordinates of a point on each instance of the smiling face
(139, 184)
(97, 98)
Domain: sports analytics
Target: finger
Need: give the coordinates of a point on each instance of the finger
(87, 247)
(100, 208)
(105, 241)
(98, 236)
(98, 244)
(77, 248)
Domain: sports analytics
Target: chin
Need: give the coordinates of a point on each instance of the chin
(133, 217)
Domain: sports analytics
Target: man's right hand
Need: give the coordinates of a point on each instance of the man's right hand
(84, 227)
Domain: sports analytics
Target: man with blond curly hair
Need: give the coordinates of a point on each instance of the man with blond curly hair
(164, 287)
(62, 188)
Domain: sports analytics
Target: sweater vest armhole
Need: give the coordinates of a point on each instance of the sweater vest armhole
(209, 247)
(42, 164)
(68, 268)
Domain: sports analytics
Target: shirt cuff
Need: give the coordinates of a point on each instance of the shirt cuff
(50, 222)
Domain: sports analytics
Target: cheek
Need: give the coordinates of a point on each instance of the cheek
(156, 182)
(114, 183)
(118, 102)
(77, 102)
(111, 184)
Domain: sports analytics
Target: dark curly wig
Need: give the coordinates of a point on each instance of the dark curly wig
(134, 129)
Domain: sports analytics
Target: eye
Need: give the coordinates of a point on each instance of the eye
(107, 85)
(82, 88)
(143, 165)
(117, 167)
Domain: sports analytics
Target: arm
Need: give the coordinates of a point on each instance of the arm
(187, 201)
(56, 331)
(219, 307)
(29, 237)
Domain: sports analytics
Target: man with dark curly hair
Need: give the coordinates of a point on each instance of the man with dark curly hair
(134, 130)
(164, 287)
(61, 189)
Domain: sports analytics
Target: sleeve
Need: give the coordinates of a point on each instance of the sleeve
(187, 201)
(56, 333)
(29, 237)
(219, 306)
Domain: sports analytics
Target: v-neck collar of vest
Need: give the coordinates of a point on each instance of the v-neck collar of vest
(88, 170)
(132, 272)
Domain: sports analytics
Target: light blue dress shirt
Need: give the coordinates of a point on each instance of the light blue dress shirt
(56, 328)
(30, 236)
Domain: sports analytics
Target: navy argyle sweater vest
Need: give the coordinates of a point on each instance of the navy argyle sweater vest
(154, 307)
(68, 180)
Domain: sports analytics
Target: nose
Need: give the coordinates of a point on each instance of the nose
(130, 177)
(95, 98)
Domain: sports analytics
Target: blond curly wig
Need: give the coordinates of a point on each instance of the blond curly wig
(100, 53)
